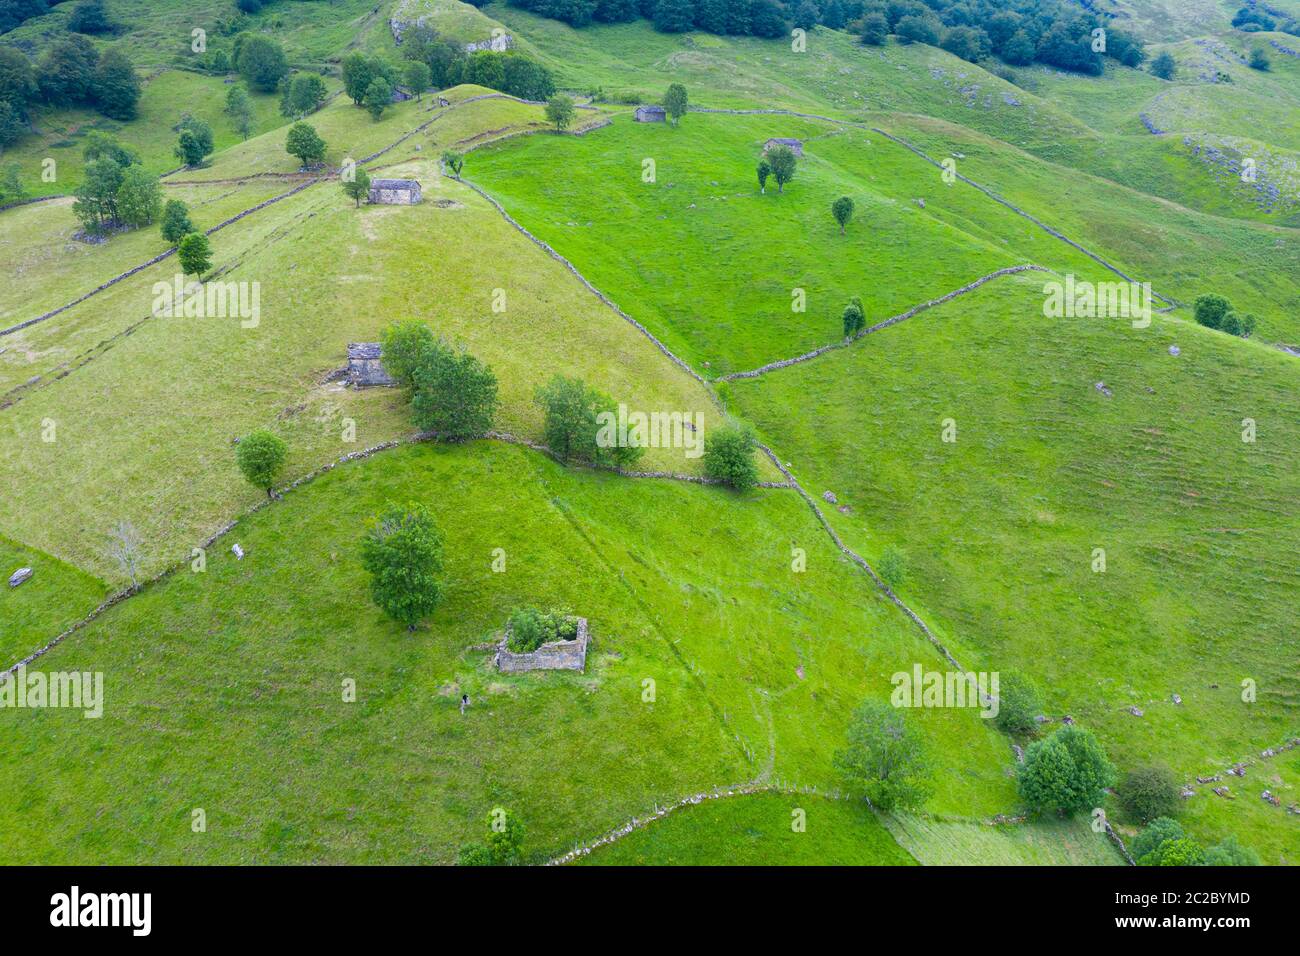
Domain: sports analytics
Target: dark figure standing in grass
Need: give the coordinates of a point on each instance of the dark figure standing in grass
(464, 703)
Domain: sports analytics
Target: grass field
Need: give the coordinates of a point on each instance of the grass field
(757, 830)
(223, 689)
(999, 527)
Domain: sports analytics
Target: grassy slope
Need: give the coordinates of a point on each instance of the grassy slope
(54, 597)
(223, 689)
(175, 455)
(939, 842)
(1201, 540)
(756, 830)
(711, 264)
(44, 267)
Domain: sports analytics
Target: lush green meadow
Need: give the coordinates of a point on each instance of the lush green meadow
(757, 830)
(999, 527)
(224, 689)
(54, 597)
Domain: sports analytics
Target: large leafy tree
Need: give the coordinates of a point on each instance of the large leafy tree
(1066, 773)
(304, 143)
(402, 550)
(176, 223)
(96, 202)
(454, 394)
(675, 102)
(358, 72)
(842, 210)
(66, 74)
(782, 160)
(559, 111)
(260, 456)
(301, 94)
(729, 456)
(260, 60)
(117, 88)
(570, 409)
(139, 197)
(884, 759)
(195, 254)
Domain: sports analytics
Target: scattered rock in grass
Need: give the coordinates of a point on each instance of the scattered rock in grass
(1268, 752)
(1224, 792)
(799, 670)
(844, 510)
(1294, 808)
(237, 551)
(1211, 779)
(1019, 752)
(921, 203)
(1177, 699)
(1237, 770)
(19, 576)
(1175, 350)
(1101, 387)
(1186, 792)
(1067, 719)
(829, 496)
(1268, 797)
(1135, 710)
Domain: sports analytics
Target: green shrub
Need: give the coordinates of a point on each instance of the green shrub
(892, 568)
(530, 628)
(884, 759)
(1182, 852)
(1019, 702)
(1228, 852)
(1156, 832)
(260, 457)
(1148, 792)
(1066, 773)
(729, 456)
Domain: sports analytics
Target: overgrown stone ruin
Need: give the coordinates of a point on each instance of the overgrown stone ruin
(570, 655)
(366, 365)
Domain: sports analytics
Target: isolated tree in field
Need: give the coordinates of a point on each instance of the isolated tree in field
(570, 418)
(1019, 703)
(559, 112)
(855, 318)
(504, 846)
(176, 223)
(453, 161)
(675, 103)
(1210, 310)
(239, 107)
(1259, 60)
(378, 95)
(404, 346)
(729, 456)
(402, 551)
(139, 198)
(454, 396)
(783, 161)
(260, 456)
(1148, 792)
(357, 184)
(117, 88)
(124, 547)
(1164, 66)
(304, 143)
(842, 210)
(418, 77)
(1066, 773)
(195, 254)
(764, 171)
(883, 760)
(301, 94)
(892, 569)
(260, 61)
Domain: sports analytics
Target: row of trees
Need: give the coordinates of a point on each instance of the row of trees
(1017, 32)
(450, 65)
(70, 73)
(763, 18)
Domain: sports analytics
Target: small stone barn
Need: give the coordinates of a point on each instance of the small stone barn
(795, 145)
(395, 192)
(365, 365)
(650, 114)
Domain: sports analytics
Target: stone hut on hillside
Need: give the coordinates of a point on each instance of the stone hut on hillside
(650, 114)
(395, 192)
(795, 145)
(365, 365)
